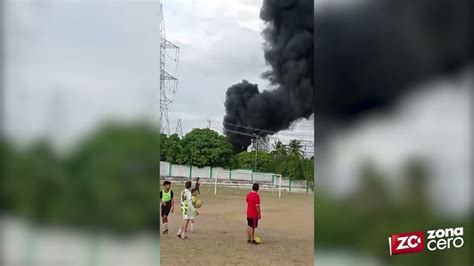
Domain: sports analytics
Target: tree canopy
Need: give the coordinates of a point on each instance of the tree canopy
(205, 147)
(108, 181)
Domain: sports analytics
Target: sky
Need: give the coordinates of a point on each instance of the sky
(220, 44)
(71, 65)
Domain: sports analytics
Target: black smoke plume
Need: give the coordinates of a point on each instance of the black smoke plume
(371, 53)
(289, 51)
(368, 55)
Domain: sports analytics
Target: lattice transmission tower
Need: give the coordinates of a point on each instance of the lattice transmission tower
(179, 129)
(168, 83)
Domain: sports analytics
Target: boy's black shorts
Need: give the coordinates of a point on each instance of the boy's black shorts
(165, 209)
(252, 222)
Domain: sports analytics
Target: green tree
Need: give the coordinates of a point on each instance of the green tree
(246, 160)
(290, 166)
(163, 146)
(35, 181)
(205, 147)
(108, 181)
(172, 149)
(115, 174)
(294, 148)
(279, 149)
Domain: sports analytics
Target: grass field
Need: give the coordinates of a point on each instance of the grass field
(220, 238)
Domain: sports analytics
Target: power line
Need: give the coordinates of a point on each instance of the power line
(251, 128)
(307, 142)
(265, 130)
(293, 134)
(290, 135)
(239, 133)
(286, 133)
(307, 145)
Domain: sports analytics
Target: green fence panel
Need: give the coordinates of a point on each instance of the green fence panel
(30, 246)
(155, 252)
(93, 251)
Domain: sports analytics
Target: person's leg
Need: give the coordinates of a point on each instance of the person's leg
(187, 225)
(254, 228)
(192, 225)
(181, 229)
(252, 231)
(165, 223)
(249, 233)
(185, 230)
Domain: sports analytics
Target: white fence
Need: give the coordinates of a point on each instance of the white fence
(209, 173)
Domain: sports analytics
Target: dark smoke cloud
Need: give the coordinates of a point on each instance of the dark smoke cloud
(371, 53)
(289, 51)
(368, 55)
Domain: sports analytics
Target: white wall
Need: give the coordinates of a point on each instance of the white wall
(164, 168)
(201, 172)
(40, 245)
(179, 170)
(226, 174)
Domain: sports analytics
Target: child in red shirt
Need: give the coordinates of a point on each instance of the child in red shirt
(253, 213)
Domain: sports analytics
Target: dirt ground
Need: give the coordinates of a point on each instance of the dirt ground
(220, 238)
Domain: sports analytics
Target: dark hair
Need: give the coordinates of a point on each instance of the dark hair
(188, 184)
(255, 186)
(197, 178)
(166, 183)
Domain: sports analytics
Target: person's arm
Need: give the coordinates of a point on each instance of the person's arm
(161, 197)
(172, 201)
(257, 205)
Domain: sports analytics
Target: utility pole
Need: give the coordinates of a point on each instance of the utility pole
(208, 123)
(256, 149)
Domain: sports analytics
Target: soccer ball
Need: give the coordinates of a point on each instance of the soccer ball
(258, 240)
(198, 203)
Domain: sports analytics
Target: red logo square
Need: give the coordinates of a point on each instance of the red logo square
(406, 243)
